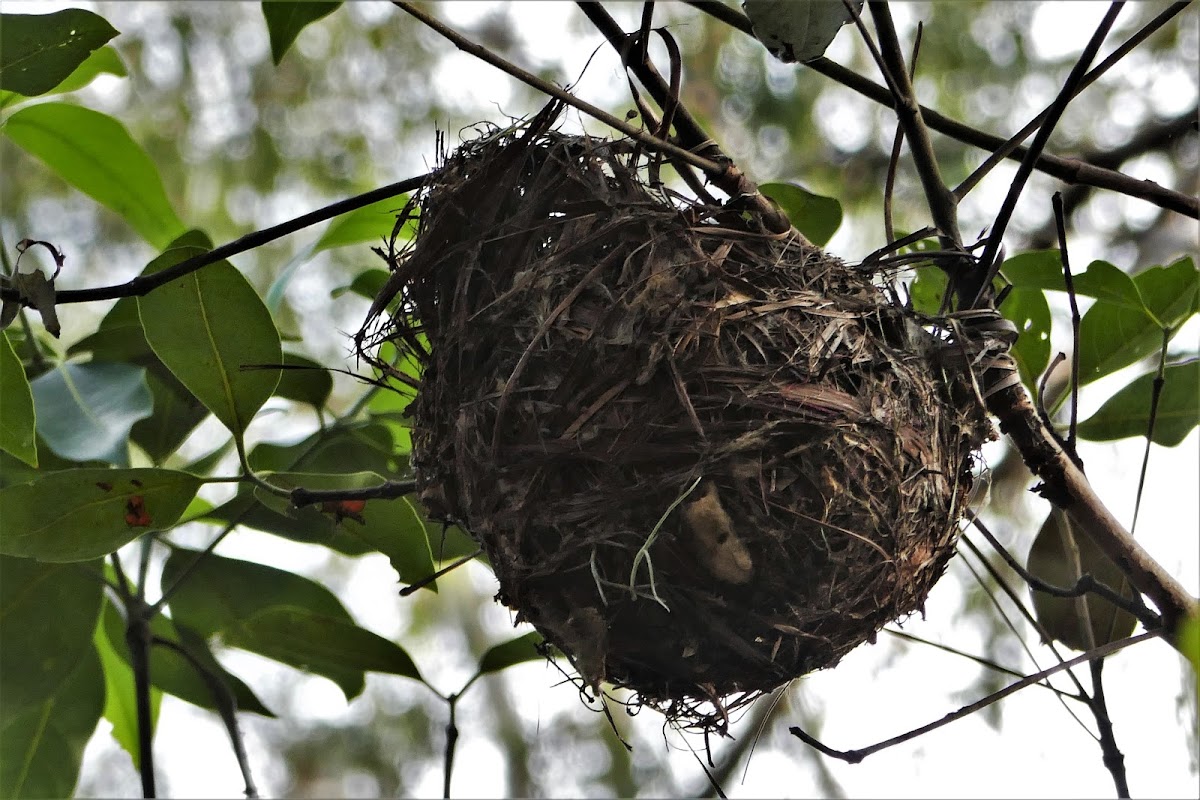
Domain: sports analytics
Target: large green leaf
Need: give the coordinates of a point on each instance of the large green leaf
(120, 705)
(172, 672)
(47, 614)
(94, 153)
(1112, 336)
(37, 51)
(86, 411)
(339, 650)
(17, 419)
(285, 20)
(1029, 311)
(1127, 413)
(817, 217)
(220, 595)
(41, 746)
(1042, 269)
(79, 514)
(207, 326)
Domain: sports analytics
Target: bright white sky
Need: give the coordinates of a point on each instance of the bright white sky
(876, 692)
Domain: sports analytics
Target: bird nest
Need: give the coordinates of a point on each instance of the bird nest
(703, 459)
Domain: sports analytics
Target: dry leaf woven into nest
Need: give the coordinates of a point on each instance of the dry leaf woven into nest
(702, 459)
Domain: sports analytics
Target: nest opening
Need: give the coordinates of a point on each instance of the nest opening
(702, 459)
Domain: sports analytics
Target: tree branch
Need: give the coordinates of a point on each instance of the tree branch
(1069, 170)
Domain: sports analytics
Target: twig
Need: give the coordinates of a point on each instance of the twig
(1113, 759)
(144, 284)
(137, 639)
(226, 705)
(856, 756)
(942, 204)
(1060, 221)
(451, 742)
(1069, 170)
(412, 587)
(388, 490)
(976, 288)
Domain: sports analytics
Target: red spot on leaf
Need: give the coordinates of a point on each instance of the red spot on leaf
(135, 512)
(104, 486)
(345, 509)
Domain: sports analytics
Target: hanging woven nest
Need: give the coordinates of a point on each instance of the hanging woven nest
(701, 458)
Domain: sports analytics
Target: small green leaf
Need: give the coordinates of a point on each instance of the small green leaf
(796, 31)
(104, 61)
(37, 51)
(285, 20)
(1028, 310)
(1049, 560)
(41, 746)
(1189, 644)
(1170, 292)
(373, 223)
(47, 614)
(120, 707)
(205, 327)
(817, 217)
(95, 153)
(17, 418)
(1127, 413)
(514, 651)
(79, 514)
(365, 284)
(308, 381)
(86, 411)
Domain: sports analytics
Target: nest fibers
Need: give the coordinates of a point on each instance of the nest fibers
(702, 459)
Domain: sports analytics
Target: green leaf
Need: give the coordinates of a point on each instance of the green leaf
(339, 650)
(309, 382)
(817, 217)
(285, 20)
(1127, 413)
(41, 746)
(1029, 311)
(120, 707)
(37, 51)
(1189, 644)
(220, 593)
(17, 419)
(94, 153)
(79, 514)
(86, 411)
(205, 327)
(1042, 269)
(172, 672)
(514, 651)
(1061, 616)
(365, 284)
(104, 61)
(47, 614)
(796, 31)
(927, 290)
(177, 412)
(1113, 336)
(373, 223)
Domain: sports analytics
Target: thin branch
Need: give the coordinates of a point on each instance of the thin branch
(856, 756)
(1069, 170)
(412, 587)
(144, 284)
(1091, 77)
(942, 204)
(389, 490)
(226, 705)
(1060, 219)
(1113, 759)
(137, 639)
(451, 742)
(977, 288)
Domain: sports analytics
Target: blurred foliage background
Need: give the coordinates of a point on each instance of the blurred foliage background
(243, 144)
